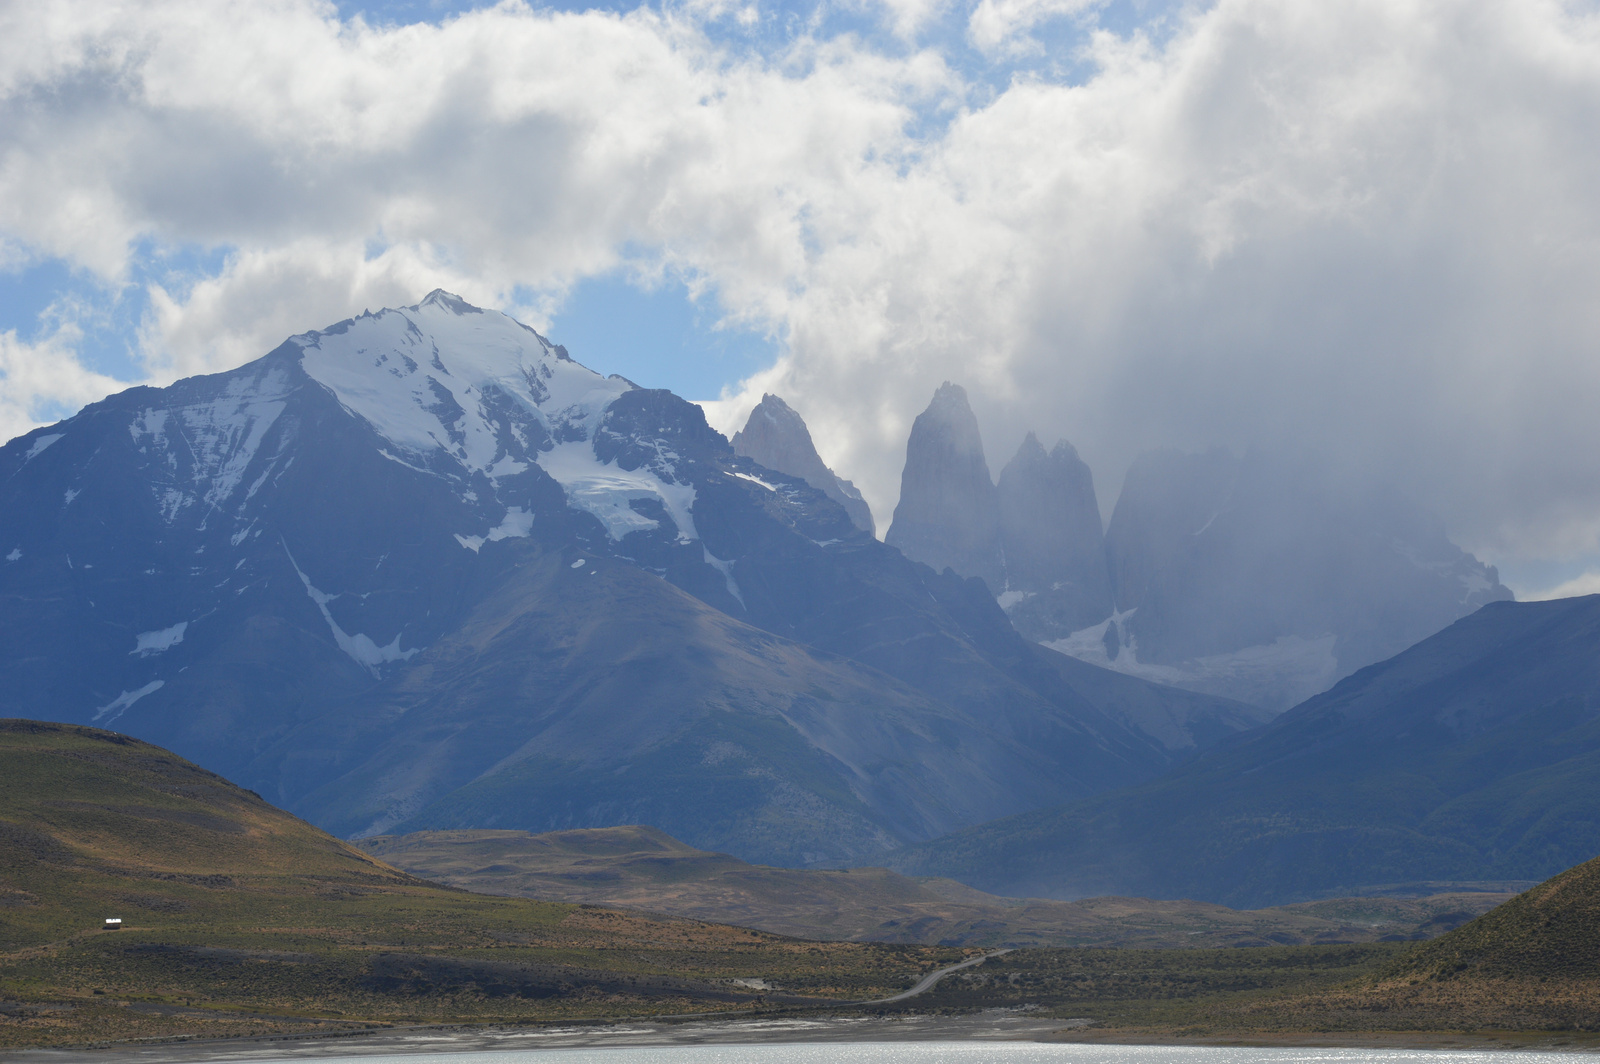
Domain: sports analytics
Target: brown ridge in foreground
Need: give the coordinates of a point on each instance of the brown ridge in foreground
(238, 919)
(1530, 965)
(643, 868)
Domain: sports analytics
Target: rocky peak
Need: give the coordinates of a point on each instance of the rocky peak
(1057, 581)
(776, 437)
(948, 514)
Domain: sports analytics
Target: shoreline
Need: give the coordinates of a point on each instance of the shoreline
(994, 1025)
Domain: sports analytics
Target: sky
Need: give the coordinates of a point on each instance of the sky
(1368, 230)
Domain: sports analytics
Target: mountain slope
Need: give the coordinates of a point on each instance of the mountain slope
(637, 702)
(1527, 965)
(1470, 757)
(350, 575)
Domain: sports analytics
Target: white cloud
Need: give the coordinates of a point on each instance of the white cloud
(38, 379)
(1587, 584)
(1366, 227)
(263, 296)
(995, 25)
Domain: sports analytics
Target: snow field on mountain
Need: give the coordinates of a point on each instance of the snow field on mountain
(606, 490)
(434, 378)
(217, 440)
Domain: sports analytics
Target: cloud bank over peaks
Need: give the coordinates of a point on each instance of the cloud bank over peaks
(1367, 228)
(1363, 229)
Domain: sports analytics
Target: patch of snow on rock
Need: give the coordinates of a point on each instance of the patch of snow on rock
(360, 648)
(1008, 599)
(1274, 675)
(756, 480)
(726, 569)
(518, 524)
(40, 444)
(148, 643)
(208, 446)
(120, 705)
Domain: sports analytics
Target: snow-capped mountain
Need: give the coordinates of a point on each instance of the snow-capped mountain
(421, 568)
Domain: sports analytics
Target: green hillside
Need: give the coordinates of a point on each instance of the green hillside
(240, 918)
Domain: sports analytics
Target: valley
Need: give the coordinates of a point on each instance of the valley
(642, 868)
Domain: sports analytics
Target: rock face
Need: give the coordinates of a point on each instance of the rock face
(1168, 498)
(1035, 538)
(1054, 548)
(776, 437)
(1267, 579)
(949, 512)
(1467, 759)
(422, 569)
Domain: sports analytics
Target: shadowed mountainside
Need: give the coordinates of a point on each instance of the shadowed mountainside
(1469, 759)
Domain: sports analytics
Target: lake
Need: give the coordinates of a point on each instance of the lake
(967, 1053)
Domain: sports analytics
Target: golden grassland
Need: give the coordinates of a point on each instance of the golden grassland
(242, 919)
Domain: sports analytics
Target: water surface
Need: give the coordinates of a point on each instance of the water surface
(971, 1053)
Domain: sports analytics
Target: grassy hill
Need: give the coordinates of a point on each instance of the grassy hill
(1532, 963)
(643, 868)
(239, 918)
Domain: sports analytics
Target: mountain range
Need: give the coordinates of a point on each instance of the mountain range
(421, 569)
(1264, 578)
